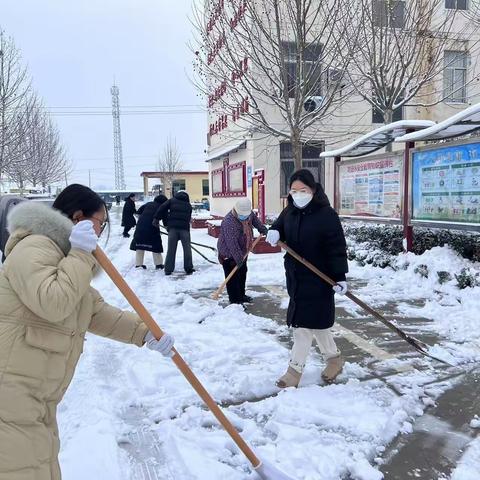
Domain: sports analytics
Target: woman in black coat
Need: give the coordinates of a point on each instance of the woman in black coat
(128, 219)
(311, 227)
(147, 235)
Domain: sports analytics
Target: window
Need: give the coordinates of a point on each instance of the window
(456, 4)
(217, 183)
(388, 13)
(455, 76)
(230, 180)
(310, 160)
(312, 68)
(177, 185)
(205, 188)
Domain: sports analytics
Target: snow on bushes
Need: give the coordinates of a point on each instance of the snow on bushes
(381, 246)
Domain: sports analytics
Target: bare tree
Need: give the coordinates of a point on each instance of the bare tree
(15, 93)
(39, 158)
(169, 164)
(272, 66)
(401, 50)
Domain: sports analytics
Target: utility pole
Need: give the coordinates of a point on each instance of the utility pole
(117, 141)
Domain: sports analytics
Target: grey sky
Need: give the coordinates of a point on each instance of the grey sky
(74, 49)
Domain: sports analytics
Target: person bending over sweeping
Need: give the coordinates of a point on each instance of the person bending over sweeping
(46, 307)
(147, 235)
(311, 227)
(234, 242)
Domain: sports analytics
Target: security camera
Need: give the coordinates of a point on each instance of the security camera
(313, 103)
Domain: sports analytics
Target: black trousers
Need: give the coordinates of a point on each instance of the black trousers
(236, 285)
(175, 235)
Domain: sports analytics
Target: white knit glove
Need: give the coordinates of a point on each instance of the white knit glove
(83, 236)
(273, 236)
(341, 288)
(163, 346)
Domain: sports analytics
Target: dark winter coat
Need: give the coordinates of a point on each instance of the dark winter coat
(315, 233)
(129, 209)
(147, 236)
(176, 212)
(232, 242)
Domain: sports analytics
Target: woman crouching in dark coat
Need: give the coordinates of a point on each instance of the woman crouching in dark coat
(147, 235)
(311, 227)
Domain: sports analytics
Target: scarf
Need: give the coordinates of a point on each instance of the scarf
(248, 232)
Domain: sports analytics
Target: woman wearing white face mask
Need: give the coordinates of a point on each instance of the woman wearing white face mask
(311, 227)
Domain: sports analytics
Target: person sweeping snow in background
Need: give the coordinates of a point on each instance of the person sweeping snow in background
(311, 227)
(128, 218)
(46, 307)
(234, 242)
(147, 235)
(176, 214)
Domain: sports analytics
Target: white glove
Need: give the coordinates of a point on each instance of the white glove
(273, 236)
(163, 346)
(83, 236)
(341, 288)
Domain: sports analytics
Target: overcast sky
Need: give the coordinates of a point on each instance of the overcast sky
(75, 49)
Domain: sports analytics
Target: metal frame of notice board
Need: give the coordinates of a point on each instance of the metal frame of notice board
(449, 225)
(398, 155)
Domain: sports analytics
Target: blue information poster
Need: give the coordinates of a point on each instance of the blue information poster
(446, 184)
(249, 177)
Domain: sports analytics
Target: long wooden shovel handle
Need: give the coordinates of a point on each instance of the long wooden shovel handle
(157, 332)
(218, 292)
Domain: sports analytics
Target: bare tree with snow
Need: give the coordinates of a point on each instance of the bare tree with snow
(169, 163)
(402, 50)
(15, 94)
(272, 66)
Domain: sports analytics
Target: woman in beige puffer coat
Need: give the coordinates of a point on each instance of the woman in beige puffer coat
(46, 307)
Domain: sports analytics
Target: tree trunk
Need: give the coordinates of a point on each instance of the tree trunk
(296, 150)
(387, 118)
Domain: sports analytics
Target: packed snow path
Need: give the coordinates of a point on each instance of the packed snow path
(130, 414)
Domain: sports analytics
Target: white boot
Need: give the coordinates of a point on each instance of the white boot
(291, 378)
(333, 369)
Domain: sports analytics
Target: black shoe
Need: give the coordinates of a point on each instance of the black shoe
(189, 272)
(247, 299)
(126, 235)
(159, 267)
(168, 273)
(141, 266)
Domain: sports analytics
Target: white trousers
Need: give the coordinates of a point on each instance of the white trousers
(302, 341)
(140, 257)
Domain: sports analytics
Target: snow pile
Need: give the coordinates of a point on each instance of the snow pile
(475, 423)
(314, 433)
(468, 467)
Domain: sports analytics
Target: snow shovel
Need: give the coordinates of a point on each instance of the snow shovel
(193, 243)
(218, 292)
(265, 469)
(415, 343)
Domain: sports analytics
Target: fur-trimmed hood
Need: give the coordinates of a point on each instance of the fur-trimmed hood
(34, 218)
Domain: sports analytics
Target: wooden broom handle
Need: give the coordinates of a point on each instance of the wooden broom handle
(157, 332)
(220, 289)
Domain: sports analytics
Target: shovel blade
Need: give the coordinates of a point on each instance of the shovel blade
(268, 471)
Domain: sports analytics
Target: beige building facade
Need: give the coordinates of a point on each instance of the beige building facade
(196, 184)
(245, 163)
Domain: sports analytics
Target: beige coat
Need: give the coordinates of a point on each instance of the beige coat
(46, 307)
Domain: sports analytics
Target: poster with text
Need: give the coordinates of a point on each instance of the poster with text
(371, 188)
(446, 184)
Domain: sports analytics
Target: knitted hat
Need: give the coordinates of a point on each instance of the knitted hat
(243, 206)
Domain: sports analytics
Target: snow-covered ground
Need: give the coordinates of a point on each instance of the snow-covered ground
(315, 432)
